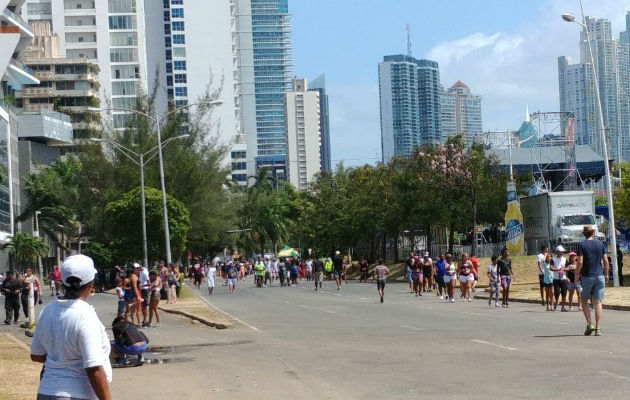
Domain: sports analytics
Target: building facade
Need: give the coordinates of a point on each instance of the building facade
(303, 126)
(466, 113)
(409, 91)
(319, 84)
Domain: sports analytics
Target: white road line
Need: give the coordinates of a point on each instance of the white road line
(475, 314)
(615, 375)
(494, 345)
(552, 322)
(415, 328)
(364, 298)
(252, 327)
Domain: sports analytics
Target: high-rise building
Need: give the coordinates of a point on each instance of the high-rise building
(409, 92)
(303, 134)
(527, 135)
(448, 119)
(577, 92)
(319, 84)
(113, 34)
(467, 113)
(262, 57)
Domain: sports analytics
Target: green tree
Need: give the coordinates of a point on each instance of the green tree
(101, 253)
(126, 217)
(622, 198)
(25, 249)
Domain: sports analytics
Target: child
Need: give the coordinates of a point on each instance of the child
(547, 282)
(121, 297)
(570, 274)
(128, 340)
(493, 279)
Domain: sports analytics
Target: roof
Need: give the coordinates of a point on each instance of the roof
(459, 84)
(588, 162)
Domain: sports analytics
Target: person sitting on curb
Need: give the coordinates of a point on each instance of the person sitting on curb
(128, 340)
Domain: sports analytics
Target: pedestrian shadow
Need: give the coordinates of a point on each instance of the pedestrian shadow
(556, 336)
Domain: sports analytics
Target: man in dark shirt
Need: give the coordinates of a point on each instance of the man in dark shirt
(318, 272)
(338, 268)
(11, 288)
(592, 271)
(505, 272)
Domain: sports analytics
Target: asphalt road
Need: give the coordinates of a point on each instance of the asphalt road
(298, 343)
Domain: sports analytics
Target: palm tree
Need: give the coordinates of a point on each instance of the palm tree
(25, 249)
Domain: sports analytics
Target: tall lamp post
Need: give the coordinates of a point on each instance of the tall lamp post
(141, 161)
(602, 129)
(36, 234)
(158, 125)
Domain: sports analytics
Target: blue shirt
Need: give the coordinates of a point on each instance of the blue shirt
(440, 267)
(591, 252)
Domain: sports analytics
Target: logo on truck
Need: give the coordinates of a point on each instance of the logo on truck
(570, 205)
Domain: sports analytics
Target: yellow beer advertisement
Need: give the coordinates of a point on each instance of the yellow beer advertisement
(514, 232)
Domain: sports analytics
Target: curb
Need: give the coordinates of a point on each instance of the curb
(194, 318)
(604, 306)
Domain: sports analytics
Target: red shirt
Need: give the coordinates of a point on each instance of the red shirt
(475, 264)
(55, 275)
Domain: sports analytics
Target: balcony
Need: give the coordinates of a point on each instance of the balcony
(16, 19)
(35, 92)
(18, 74)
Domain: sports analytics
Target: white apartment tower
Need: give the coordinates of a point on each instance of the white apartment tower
(303, 134)
(109, 32)
(466, 112)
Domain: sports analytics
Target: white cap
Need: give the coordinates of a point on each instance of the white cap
(136, 265)
(560, 249)
(426, 254)
(337, 252)
(79, 266)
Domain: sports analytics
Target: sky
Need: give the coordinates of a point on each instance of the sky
(504, 50)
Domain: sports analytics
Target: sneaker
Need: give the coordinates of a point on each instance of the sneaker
(496, 304)
(542, 303)
(441, 297)
(555, 306)
(122, 362)
(570, 308)
(381, 299)
(598, 332)
(489, 303)
(469, 299)
(140, 360)
(156, 325)
(507, 305)
(564, 310)
(7, 322)
(452, 300)
(464, 300)
(589, 329)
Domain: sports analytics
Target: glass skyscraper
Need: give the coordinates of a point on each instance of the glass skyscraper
(272, 73)
(409, 91)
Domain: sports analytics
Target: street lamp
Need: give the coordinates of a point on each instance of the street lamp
(611, 216)
(157, 120)
(36, 234)
(141, 162)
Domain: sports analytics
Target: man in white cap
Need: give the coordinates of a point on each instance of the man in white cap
(71, 341)
(559, 283)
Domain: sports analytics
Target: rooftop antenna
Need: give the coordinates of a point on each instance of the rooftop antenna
(409, 40)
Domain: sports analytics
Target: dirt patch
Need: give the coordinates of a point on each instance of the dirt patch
(15, 362)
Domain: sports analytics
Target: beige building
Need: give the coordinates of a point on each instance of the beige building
(303, 134)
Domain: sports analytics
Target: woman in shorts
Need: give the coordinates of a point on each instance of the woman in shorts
(416, 276)
(466, 277)
(547, 280)
(570, 274)
(156, 286)
(450, 276)
(427, 273)
(173, 283)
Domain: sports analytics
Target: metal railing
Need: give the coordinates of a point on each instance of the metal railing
(18, 18)
(19, 64)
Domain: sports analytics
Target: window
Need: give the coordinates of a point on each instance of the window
(125, 72)
(238, 154)
(239, 165)
(177, 13)
(123, 39)
(169, 91)
(177, 2)
(125, 102)
(179, 52)
(179, 39)
(239, 177)
(167, 16)
(167, 41)
(70, 69)
(169, 68)
(39, 8)
(167, 29)
(122, 6)
(181, 103)
(169, 55)
(122, 22)
(123, 55)
(180, 78)
(169, 80)
(125, 88)
(178, 25)
(181, 91)
(180, 65)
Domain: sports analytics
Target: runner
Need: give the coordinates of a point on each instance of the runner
(318, 272)
(197, 273)
(282, 271)
(308, 267)
(156, 286)
(210, 271)
(559, 284)
(547, 280)
(408, 271)
(26, 281)
(450, 276)
(267, 272)
(506, 274)
(232, 274)
(438, 272)
(364, 266)
(380, 272)
(493, 280)
(259, 271)
(55, 276)
(541, 273)
(475, 269)
(416, 276)
(427, 273)
(466, 277)
(345, 263)
(328, 267)
(338, 268)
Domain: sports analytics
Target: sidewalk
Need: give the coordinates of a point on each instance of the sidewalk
(16, 364)
(191, 306)
(614, 298)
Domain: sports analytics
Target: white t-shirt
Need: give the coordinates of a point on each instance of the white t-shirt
(492, 270)
(72, 338)
(143, 279)
(559, 263)
(309, 265)
(541, 260)
(210, 276)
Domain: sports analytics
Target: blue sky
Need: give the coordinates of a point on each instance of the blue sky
(504, 50)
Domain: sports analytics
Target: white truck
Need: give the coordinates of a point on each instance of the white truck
(558, 218)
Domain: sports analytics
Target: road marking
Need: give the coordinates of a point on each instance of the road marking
(552, 322)
(425, 308)
(415, 328)
(474, 314)
(364, 298)
(615, 375)
(252, 327)
(494, 345)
